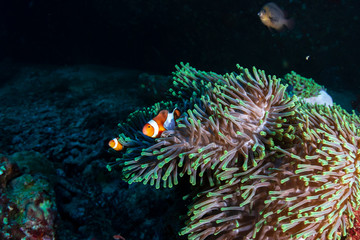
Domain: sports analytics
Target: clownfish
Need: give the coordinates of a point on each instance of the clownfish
(114, 144)
(162, 122)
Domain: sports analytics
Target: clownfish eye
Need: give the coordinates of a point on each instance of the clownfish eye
(149, 126)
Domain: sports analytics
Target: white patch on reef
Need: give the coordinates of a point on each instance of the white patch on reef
(322, 98)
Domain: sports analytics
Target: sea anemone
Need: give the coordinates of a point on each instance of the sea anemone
(269, 167)
(227, 121)
(316, 187)
(309, 191)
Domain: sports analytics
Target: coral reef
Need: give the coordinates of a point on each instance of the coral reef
(27, 205)
(265, 165)
(58, 131)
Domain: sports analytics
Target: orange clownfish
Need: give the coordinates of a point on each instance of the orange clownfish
(162, 122)
(114, 144)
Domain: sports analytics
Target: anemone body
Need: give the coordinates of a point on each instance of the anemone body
(270, 167)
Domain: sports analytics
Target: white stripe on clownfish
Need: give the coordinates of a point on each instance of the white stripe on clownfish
(155, 126)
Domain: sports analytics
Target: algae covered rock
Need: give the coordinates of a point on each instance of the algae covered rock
(27, 205)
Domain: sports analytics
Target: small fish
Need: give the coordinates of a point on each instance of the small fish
(114, 144)
(162, 122)
(273, 17)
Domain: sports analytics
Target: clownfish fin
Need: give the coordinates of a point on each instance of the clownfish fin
(176, 112)
(161, 117)
(170, 123)
(115, 144)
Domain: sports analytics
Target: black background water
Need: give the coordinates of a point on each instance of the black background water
(154, 35)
